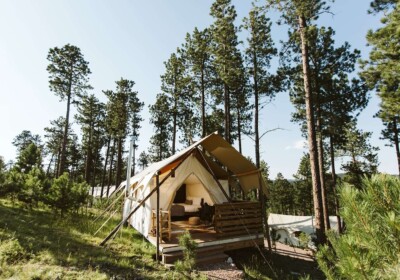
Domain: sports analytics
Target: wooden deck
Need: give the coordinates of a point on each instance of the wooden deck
(240, 229)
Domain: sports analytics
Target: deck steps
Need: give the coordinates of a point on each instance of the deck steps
(204, 255)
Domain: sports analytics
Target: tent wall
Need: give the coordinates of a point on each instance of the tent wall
(198, 190)
(141, 219)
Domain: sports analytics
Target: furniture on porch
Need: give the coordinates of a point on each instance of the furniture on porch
(165, 224)
(194, 221)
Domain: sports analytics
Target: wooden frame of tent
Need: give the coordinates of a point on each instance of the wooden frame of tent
(237, 224)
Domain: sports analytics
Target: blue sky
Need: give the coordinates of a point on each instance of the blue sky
(132, 39)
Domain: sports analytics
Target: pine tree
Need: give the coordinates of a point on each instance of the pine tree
(299, 15)
(330, 68)
(369, 248)
(174, 85)
(68, 79)
(281, 196)
(303, 187)
(29, 158)
(391, 133)
(258, 56)
(198, 59)
(363, 156)
(241, 108)
(143, 160)
(24, 139)
(381, 71)
(135, 108)
(118, 109)
(160, 148)
(227, 61)
(382, 5)
(54, 135)
(90, 116)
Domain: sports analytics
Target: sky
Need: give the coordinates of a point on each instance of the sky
(132, 39)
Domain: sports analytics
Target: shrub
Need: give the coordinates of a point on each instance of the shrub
(65, 195)
(11, 251)
(369, 248)
(189, 254)
(13, 183)
(304, 240)
(32, 189)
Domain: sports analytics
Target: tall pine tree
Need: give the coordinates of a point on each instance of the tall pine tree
(68, 79)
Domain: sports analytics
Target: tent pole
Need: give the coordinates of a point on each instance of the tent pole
(144, 200)
(158, 216)
(215, 177)
(129, 167)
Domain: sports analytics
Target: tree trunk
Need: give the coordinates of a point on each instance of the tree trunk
(320, 147)
(396, 142)
(111, 168)
(256, 111)
(239, 129)
(133, 157)
(65, 136)
(203, 106)
(227, 113)
(48, 167)
(103, 179)
(89, 157)
(119, 163)
(332, 152)
(319, 221)
(174, 128)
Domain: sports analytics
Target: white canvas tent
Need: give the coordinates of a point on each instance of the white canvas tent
(288, 226)
(194, 167)
(97, 191)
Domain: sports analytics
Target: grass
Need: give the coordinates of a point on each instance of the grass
(263, 265)
(38, 244)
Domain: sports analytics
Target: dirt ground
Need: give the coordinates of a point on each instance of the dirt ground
(285, 262)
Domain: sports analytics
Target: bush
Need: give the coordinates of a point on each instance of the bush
(11, 251)
(65, 195)
(369, 248)
(304, 240)
(189, 254)
(13, 183)
(32, 189)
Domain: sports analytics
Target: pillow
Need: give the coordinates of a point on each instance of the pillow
(196, 200)
(189, 202)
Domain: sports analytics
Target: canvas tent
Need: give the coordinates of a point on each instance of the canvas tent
(288, 227)
(197, 168)
(96, 191)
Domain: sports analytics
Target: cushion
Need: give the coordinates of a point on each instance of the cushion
(189, 202)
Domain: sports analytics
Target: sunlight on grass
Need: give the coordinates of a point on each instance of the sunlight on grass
(36, 244)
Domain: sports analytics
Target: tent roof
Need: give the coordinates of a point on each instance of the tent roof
(297, 223)
(247, 173)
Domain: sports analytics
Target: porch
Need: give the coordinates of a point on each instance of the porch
(236, 225)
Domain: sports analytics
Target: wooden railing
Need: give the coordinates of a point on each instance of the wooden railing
(238, 219)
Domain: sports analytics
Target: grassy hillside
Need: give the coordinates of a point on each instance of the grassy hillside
(35, 244)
